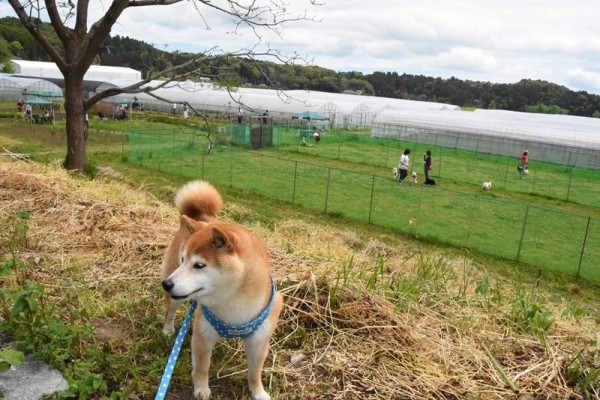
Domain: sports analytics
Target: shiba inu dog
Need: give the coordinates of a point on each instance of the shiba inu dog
(226, 269)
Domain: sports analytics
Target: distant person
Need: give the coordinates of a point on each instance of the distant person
(240, 116)
(28, 112)
(174, 109)
(317, 135)
(20, 106)
(136, 104)
(403, 166)
(523, 166)
(121, 113)
(427, 165)
(186, 113)
(265, 117)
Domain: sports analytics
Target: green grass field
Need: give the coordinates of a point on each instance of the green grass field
(80, 287)
(524, 229)
(352, 179)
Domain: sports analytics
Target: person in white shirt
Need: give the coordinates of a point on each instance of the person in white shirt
(403, 165)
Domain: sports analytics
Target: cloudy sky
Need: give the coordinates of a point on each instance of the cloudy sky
(482, 40)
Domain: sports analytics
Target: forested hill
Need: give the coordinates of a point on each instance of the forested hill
(526, 95)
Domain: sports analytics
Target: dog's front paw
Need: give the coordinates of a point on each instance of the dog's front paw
(261, 395)
(202, 393)
(169, 329)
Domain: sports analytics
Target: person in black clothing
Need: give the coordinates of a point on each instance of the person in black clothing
(427, 165)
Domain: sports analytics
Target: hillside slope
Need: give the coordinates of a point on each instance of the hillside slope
(362, 319)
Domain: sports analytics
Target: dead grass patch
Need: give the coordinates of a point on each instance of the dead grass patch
(413, 331)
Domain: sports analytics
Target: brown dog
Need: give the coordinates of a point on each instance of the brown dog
(226, 269)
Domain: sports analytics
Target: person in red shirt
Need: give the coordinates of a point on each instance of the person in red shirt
(524, 162)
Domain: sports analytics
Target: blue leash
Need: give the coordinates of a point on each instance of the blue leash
(166, 378)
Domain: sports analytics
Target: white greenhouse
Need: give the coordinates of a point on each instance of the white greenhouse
(13, 88)
(566, 140)
(349, 111)
(560, 139)
(42, 69)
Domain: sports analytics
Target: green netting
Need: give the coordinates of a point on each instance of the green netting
(552, 240)
(240, 134)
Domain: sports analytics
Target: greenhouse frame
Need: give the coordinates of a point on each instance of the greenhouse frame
(559, 139)
(13, 88)
(42, 69)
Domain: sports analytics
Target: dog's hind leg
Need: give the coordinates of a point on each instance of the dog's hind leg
(172, 306)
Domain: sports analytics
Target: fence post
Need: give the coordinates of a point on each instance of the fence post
(419, 212)
(473, 209)
(231, 168)
(506, 172)
(371, 202)
(260, 182)
(523, 232)
(587, 229)
(295, 178)
(327, 192)
(387, 156)
(569, 186)
(202, 174)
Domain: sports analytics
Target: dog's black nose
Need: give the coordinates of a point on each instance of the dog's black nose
(167, 284)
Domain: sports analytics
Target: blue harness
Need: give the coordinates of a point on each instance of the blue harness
(243, 330)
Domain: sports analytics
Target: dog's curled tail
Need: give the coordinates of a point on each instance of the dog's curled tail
(199, 200)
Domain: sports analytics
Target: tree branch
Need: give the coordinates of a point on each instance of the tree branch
(33, 29)
(139, 87)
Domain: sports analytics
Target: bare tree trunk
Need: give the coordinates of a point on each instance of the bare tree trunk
(81, 45)
(76, 138)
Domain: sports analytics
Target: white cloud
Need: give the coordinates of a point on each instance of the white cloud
(461, 58)
(579, 78)
(484, 40)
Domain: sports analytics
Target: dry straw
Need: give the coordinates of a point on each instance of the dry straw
(363, 319)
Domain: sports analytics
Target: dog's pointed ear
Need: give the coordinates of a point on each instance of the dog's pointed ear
(191, 224)
(221, 239)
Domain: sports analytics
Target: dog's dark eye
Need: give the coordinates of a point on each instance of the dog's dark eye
(199, 265)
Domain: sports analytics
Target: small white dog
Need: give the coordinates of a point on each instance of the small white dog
(487, 185)
(395, 172)
(414, 178)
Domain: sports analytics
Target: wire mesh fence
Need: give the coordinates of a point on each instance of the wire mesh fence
(555, 181)
(544, 237)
